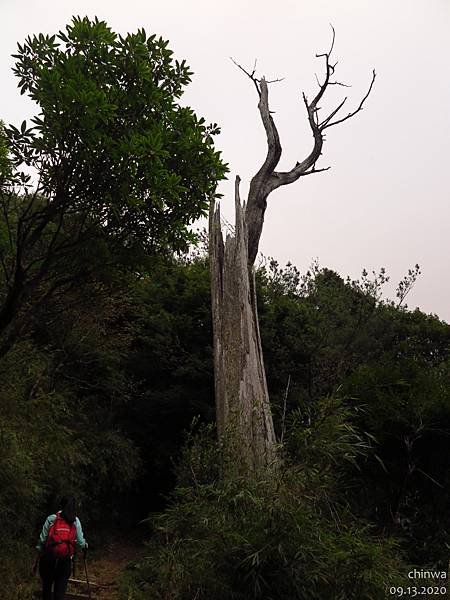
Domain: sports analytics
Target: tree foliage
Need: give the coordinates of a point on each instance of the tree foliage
(118, 160)
(111, 138)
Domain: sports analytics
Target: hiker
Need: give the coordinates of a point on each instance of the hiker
(60, 535)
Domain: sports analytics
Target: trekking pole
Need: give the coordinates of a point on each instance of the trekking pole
(86, 572)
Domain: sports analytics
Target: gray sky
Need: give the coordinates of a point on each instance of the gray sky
(385, 201)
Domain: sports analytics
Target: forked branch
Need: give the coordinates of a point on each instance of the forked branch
(267, 179)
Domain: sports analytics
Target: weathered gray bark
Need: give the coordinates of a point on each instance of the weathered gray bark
(244, 417)
(242, 399)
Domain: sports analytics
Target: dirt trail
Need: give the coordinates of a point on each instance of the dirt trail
(106, 569)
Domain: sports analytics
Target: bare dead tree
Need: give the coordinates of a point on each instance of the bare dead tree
(244, 417)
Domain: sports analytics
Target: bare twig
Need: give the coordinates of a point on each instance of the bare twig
(360, 107)
(250, 75)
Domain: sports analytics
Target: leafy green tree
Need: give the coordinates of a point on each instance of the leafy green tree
(116, 156)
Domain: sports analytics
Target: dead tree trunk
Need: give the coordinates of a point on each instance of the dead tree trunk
(244, 418)
(242, 399)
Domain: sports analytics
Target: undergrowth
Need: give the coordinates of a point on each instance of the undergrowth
(285, 534)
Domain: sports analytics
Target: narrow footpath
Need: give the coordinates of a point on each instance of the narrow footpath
(105, 569)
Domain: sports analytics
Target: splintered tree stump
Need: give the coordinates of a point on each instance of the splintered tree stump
(244, 419)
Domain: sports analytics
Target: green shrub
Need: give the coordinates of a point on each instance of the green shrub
(281, 536)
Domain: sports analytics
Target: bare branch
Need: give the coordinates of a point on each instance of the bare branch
(314, 170)
(307, 166)
(329, 70)
(360, 107)
(340, 84)
(273, 140)
(267, 179)
(254, 67)
(250, 75)
(334, 112)
(259, 185)
(327, 54)
(274, 80)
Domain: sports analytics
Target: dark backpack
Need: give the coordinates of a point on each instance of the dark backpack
(61, 539)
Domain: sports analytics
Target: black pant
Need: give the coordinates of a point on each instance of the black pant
(54, 572)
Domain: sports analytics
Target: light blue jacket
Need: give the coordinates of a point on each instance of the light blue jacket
(81, 542)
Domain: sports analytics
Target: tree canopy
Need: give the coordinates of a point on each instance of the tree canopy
(114, 157)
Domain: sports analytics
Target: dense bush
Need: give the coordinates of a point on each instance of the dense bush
(284, 536)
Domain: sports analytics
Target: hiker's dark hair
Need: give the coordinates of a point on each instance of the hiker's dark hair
(68, 509)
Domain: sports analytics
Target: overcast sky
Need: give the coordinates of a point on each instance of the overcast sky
(385, 200)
